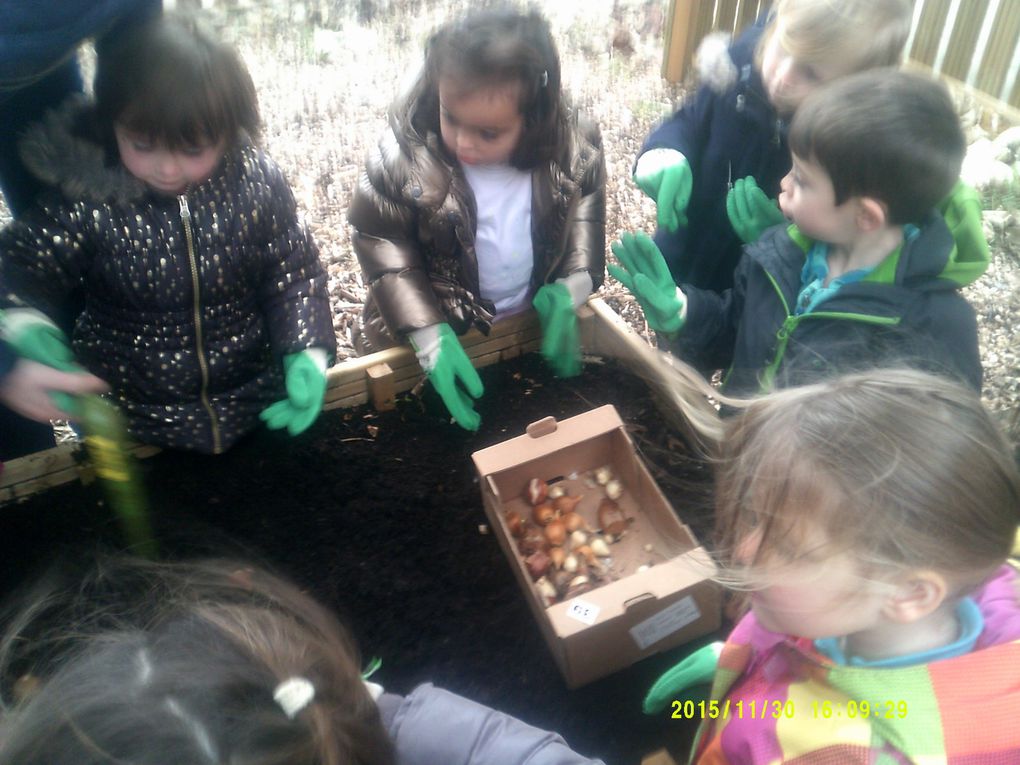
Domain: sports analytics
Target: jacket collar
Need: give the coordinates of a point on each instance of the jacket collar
(925, 260)
(58, 153)
(55, 153)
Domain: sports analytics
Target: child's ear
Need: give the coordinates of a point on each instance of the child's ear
(872, 215)
(916, 596)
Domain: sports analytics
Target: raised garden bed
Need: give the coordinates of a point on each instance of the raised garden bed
(379, 515)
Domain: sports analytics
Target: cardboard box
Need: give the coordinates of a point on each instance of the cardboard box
(672, 600)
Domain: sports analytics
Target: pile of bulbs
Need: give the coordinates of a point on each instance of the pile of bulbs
(563, 554)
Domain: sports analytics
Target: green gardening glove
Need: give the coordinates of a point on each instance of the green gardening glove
(32, 335)
(750, 211)
(305, 377)
(962, 213)
(690, 679)
(665, 176)
(647, 276)
(561, 343)
(449, 369)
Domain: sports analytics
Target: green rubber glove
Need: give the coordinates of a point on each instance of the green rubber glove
(665, 176)
(561, 342)
(647, 276)
(750, 211)
(305, 377)
(690, 679)
(32, 335)
(450, 371)
(962, 213)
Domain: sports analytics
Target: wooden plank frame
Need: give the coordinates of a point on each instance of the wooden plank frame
(376, 378)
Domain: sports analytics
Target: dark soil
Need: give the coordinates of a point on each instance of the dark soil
(378, 515)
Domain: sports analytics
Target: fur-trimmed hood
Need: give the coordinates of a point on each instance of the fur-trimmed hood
(61, 153)
(191, 299)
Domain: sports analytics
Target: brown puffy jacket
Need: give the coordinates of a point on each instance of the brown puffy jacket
(414, 221)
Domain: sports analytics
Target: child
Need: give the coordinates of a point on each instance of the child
(869, 517)
(708, 156)
(485, 195)
(213, 662)
(203, 291)
(854, 281)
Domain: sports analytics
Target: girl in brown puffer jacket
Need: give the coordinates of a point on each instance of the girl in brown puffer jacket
(205, 301)
(484, 196)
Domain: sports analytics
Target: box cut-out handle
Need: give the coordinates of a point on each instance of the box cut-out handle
(542, 427)
(631, 602)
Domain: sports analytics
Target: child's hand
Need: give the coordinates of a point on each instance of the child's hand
(306, 388)
(647, 276)
(33, 336)
(561, 343)
(32, 390)
(665, 176)
(443, 358)
(750, 211)
(687, 679)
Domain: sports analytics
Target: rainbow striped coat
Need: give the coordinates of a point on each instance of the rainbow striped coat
(778, 700)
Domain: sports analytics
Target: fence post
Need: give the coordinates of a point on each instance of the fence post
(679, 37)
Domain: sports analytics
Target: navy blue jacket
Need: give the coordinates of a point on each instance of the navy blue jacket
(191, 301)
(909, 310)
(36, 36)
(724, 136)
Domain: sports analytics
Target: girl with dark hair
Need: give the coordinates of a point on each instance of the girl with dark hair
(484, 196)
(220, 662)
(205, 301)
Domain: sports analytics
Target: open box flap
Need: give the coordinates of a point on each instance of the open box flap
(567, 432)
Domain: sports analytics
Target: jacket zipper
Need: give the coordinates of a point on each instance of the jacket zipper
(791, 322)
(203, 364)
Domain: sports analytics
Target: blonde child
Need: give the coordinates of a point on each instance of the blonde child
(205, 301)
(714, 167)
(220, 662)
(486, 195)
(869, 273)
(869, 518)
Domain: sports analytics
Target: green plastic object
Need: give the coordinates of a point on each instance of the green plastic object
(456, 380)
(670, 186)
(107, 445)
(42, 342)
(644, 272)
(561, 341)
(690, 679)
(306, 388)
(750, 210)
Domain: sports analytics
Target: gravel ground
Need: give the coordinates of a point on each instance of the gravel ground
(327, 70)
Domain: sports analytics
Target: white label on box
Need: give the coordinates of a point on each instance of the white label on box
(584, 612)
(666, 622)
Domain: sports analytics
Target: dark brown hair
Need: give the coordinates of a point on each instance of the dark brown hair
(885, 134)
(172, 81)
(492, 47)
(178, 663)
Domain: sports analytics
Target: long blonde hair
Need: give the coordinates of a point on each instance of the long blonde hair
(901, 467)
(866, 33)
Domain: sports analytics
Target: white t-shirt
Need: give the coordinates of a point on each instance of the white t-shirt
(503, 236)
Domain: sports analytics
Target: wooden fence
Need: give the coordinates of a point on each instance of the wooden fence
(971, 43)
